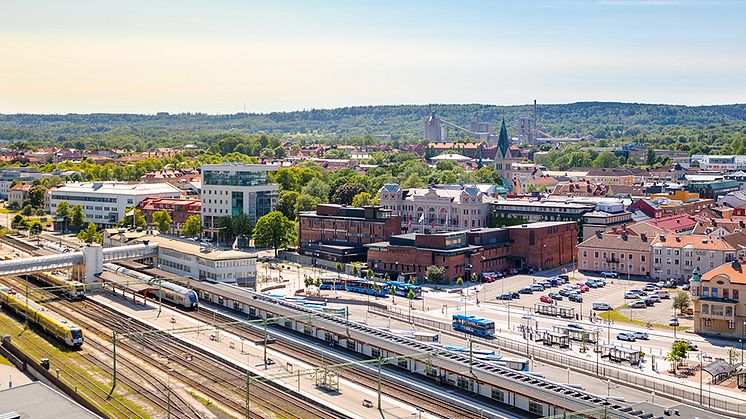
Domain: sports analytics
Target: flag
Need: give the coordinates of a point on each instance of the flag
(422, 218)
(235, 244)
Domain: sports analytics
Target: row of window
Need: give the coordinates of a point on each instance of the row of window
(604, 265)
(613, 255)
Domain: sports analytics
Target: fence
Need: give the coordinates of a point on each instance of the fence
(676, 391)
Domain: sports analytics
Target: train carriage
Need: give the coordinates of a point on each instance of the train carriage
(58, 327)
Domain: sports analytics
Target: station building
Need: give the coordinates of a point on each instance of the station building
(339, 233)
(461, 253)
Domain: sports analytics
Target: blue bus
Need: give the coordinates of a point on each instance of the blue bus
(364, 286)
(474, 325)
(403, 288)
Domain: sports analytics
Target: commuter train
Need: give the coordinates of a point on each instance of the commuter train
(60, 328)
(474, 325)
(72, 289)
(173, 293)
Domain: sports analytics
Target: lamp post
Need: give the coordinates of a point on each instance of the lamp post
(527, 317)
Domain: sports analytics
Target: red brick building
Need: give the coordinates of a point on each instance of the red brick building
(461, 253)
(180, 209)
(339, 233)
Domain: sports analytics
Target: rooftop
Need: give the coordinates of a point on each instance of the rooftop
(195, 248)
(733, 272)
(701, 242)
(118, 188)
(37, 400)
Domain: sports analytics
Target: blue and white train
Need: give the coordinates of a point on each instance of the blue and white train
(173, 293)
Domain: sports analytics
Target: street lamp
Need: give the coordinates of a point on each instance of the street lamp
(527, 317)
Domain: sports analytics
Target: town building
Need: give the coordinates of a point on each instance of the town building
(675, 256)
(729, 163)
(714, 189)
(20, 174)
(661, 207)
(438, 208)
(203, 261)
(230, 189)
(18, 194)
(504, 158)
(339, 233)
(716, 297)
(622, 252)
(179, 209)
(610, 176)
(105, 203)
(475, 251)
(534, 211)
(605, 218)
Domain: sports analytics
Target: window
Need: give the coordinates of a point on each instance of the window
(708, 322)
(498, 395)
(731, 324)
(705, 309)
(351, 345)
(585, 253)
(375, 352)
(536, 407)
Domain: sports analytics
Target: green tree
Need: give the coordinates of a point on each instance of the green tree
(410, 297)
(19, 222)
(135, 218)
(376, 289)
(677, 354)
(606, 159)
(89, 234)
(35, 228)
(681, 301)
(36, 196)
(459, 282)
(63, 214)
(162, 220)
(392, 292)
(318, 188)
(355, 270)
(363, 199)
(305, 203)
(650, 157)
(274, 230)
(77, 217)
(435, 274)
(345, 193)
(224, 225)
(531, 188)
(286, 202)
(192, 226)
(27, 210)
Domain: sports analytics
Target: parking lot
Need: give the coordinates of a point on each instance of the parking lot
(612, 293)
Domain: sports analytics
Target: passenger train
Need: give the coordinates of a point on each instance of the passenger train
(173, 293)
(58, 327)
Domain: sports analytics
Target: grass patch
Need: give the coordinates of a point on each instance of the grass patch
(4, 361)
(217, 411)
(37, 347)
(617, 317)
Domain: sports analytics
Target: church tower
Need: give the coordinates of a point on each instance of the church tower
(503, 158)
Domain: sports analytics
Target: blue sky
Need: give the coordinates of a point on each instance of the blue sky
(222, 56)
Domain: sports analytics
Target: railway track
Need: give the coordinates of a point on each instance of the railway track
(223, 384)
(394, 390)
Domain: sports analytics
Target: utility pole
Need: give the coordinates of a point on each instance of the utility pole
(265, 344)
(471, 354)
(248, 386)
(380, 362)
(114, 366)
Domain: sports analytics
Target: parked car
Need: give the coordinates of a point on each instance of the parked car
(670, 283)
(641, 335)
(565, 278)
(654, 297)
(639, 292)
(515, 294)
(662, 293)
(546, 284)
(637, 304)
(546, 299)
(555, 296)
(629, 337)
(648, 301)
(565, 292)
(673, 321)
(686, 287)
(526, 290)
(585, 288)
(537, 287)
(591, 283)
(692, 346)
(650, 287)
(600, 305)
(577, 298)
(661, 284)
(630, 295)
(609, 274)
(507, 296)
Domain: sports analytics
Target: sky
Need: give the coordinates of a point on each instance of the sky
(227, 56)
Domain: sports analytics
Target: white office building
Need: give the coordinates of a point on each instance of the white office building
(230, 189)
(105, 203)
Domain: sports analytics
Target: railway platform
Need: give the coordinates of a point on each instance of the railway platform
(350, 398)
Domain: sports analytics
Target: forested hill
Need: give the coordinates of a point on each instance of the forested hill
(583, 118)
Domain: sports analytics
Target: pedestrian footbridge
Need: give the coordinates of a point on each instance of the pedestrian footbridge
(91, 259)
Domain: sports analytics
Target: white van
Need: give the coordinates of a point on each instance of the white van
(662, 293)
(600, 305)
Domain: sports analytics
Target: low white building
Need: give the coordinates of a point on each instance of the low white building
(105, 203)
(204, 262)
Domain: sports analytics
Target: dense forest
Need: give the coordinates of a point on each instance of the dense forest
(698, 127)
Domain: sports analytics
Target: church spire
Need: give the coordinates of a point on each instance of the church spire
(503, 142)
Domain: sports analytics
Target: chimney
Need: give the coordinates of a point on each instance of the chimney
(678, 239)
(644, 237)
(598, 234)
(662, 237)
